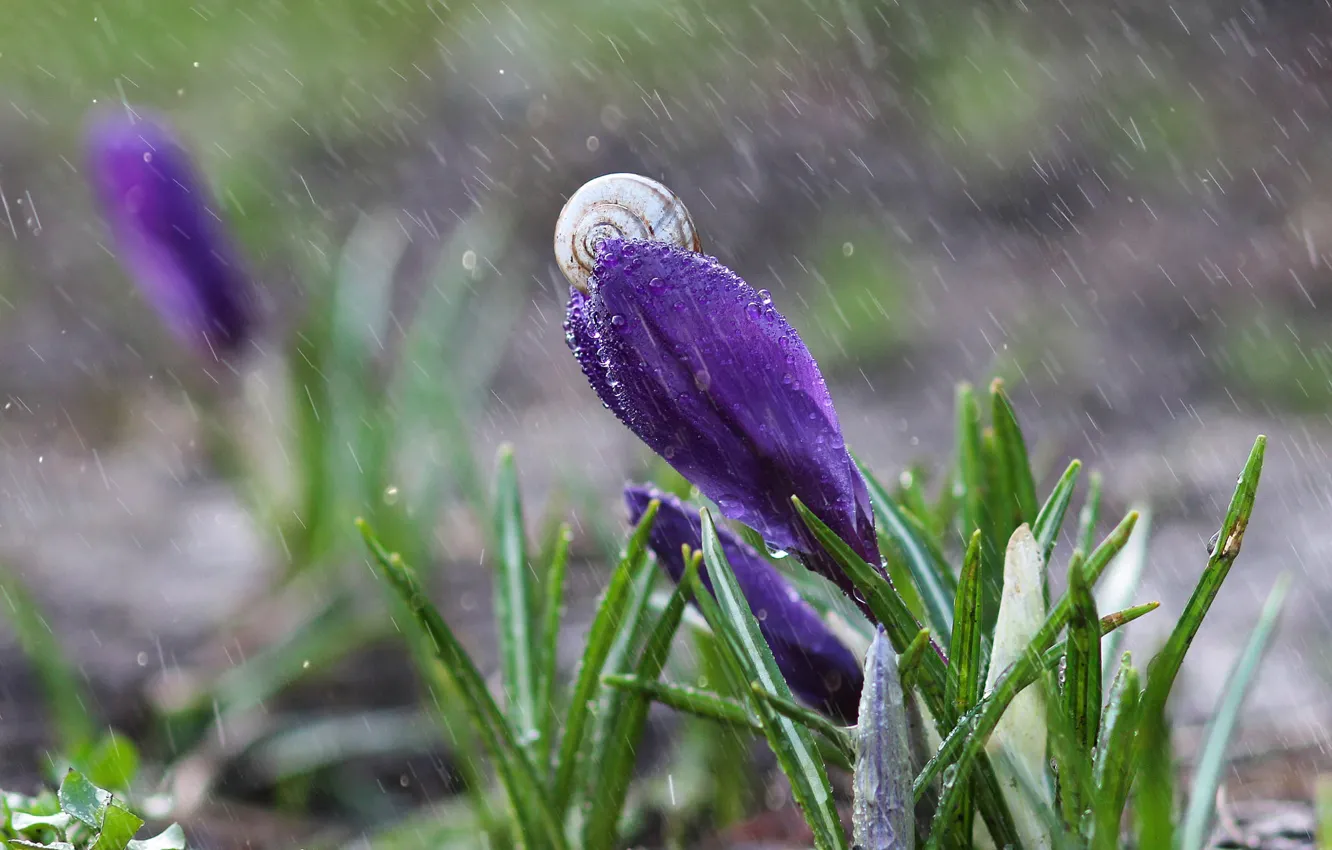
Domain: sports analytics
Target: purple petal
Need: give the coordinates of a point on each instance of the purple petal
(708, 374)
(168, 236)
(817, 667)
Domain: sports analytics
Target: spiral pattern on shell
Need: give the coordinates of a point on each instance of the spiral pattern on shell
(618, 206)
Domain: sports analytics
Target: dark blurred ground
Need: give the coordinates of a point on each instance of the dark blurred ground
(1121, 208)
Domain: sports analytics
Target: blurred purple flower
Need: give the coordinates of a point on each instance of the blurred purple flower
(167, 233)
(818, 668)
(706, 372)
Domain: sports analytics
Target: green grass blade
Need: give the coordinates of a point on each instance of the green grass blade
(886, 604)
(513, 605)
(929, 572)
(909, 659)
(964, 667)
(1081, 698)
(616, 768)
(1090, 513)
(1163, 669)
(75, 728)
(1121, 582)
(1207, 776)
(1013, 453)
(547, 658)
(911, 494)
(609, 617)
(931, 674)
(1112, 771)
(516, 771)
(1050, 519)
(792, 744)
(969, 485)
(1154, 785)
(965, 743)
(699, 703)
(811, 720)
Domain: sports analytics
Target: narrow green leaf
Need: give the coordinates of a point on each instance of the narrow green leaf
(964, 666)
(548, 655)
(616, 769)
(1211, 764)
(965, 743)
(609, 618)
(944, 515)
(1013, 448)
(699, 703)
(1120, 583)
(1090, 513)
(911, 494)
(516, 771)
(1081, 698)
(812, 720)
(513, 605)
(64, 693)
(887, 606)
(927, 570)
(969, 474)
(792, 744)
(902, 630)
(909, 659)
(1154, 784)
(1112, 773)
(1050, 519)
(1163, 669)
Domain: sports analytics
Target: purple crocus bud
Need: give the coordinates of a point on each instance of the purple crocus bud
(167, 233)
(706, 372)
(818, 668)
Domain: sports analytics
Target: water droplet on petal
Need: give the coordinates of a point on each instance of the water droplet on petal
(765, 296)
(731, 507)
(753, 311)
(617, 320)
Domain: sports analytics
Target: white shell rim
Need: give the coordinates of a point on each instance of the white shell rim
(627, 205)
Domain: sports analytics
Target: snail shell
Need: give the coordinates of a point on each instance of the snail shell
(618, 206)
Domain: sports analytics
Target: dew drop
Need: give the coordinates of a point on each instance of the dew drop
(617, 320)
(657, 286)
(766, 297)
(390, 495)
(731, 507)
(753, 311)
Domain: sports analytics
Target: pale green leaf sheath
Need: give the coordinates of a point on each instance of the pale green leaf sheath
(1018, 742)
